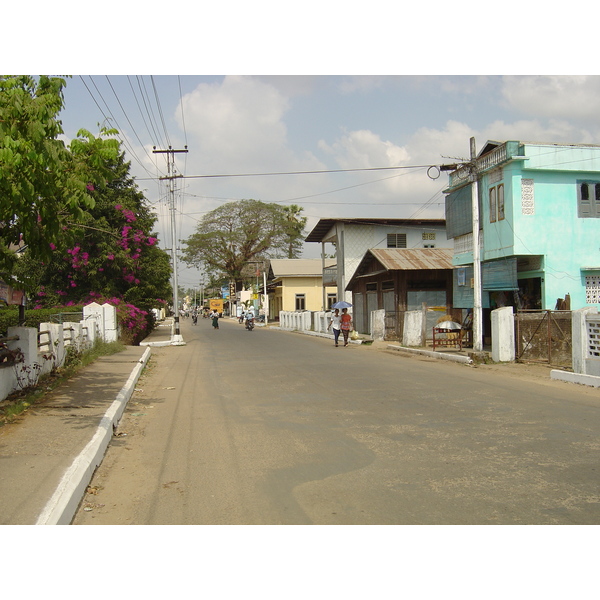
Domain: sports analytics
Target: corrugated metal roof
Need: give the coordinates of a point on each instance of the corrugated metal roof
(413, 259)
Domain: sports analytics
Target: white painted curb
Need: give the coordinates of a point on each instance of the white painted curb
(580, 378)
(63, 504)
(440, 355)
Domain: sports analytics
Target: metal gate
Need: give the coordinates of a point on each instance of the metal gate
(544, 336)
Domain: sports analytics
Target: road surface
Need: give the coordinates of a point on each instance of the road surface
(273, 427)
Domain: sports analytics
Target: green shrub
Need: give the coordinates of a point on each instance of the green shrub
(9, 316)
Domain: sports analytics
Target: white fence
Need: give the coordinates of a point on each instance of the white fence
(319, 320)
(586, 341)
(38, 352)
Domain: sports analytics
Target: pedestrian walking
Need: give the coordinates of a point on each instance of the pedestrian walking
(346, 324)
(334, 324)
(215, 319)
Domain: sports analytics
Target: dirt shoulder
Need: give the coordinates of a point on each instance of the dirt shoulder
(522, 370)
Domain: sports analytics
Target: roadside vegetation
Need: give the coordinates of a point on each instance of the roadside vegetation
(20, 401)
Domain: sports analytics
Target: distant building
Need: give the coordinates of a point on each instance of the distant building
(397, 280)
(353, 237)
(297, 284)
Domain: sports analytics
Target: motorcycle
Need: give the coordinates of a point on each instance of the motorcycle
(249, 324)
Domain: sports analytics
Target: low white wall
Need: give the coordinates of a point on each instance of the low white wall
(295, 321)
(46, 349)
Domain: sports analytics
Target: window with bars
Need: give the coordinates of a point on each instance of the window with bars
(396, 240)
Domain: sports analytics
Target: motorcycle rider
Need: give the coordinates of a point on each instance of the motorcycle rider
(249, 319)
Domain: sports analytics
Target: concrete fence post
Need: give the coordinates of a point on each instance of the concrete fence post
(377, 324)
(413, 328)
(579, 341)
(94, 312)
(111, 333)
(27, 343)
(503, 334)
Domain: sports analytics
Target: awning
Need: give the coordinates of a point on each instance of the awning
(499, 275)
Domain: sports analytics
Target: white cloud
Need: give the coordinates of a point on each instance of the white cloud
(554, 96)
(554, 131)
(364, 149)
(235, 124)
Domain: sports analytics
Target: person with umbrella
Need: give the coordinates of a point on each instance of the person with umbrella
(345, 325)
(335, 323)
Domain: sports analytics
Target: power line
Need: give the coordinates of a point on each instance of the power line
(160, 110)
(325, 171)
(149, 104)
(140, 109)
(128, 120)
(127, 146)
(182, 115)
(307, 172)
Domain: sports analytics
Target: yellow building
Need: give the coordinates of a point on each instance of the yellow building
(297, 284)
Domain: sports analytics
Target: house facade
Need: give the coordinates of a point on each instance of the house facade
(397, 280)
(353, 237)
(297, 285)
(539, 217)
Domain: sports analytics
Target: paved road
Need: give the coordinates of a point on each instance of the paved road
(272, 427)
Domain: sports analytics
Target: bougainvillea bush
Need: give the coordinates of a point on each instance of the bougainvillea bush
(112, 256)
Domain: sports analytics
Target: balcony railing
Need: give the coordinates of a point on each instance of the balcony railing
(491, 159)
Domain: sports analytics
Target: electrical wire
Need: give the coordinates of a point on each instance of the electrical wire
(128, 120)
(151, 118)
(182, 114)
(324, 171)
(125, 143)
(135, 97)
(160, 110)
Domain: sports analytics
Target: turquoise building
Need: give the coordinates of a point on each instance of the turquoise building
(539, 217)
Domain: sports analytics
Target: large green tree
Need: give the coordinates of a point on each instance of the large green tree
(294, 224)
(44, 185)
(111, 253)
(234, 235)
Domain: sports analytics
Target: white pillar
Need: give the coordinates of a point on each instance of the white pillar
(579, 335)
(503, 334)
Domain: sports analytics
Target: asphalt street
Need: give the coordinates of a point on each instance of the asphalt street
(273, 427)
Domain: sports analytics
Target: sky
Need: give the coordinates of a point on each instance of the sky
(260, 89)
(267, 125)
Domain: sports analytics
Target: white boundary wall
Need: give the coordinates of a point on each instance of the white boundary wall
(46, 349)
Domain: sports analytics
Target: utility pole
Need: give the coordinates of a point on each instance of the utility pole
(477, 311)
(171, 176)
